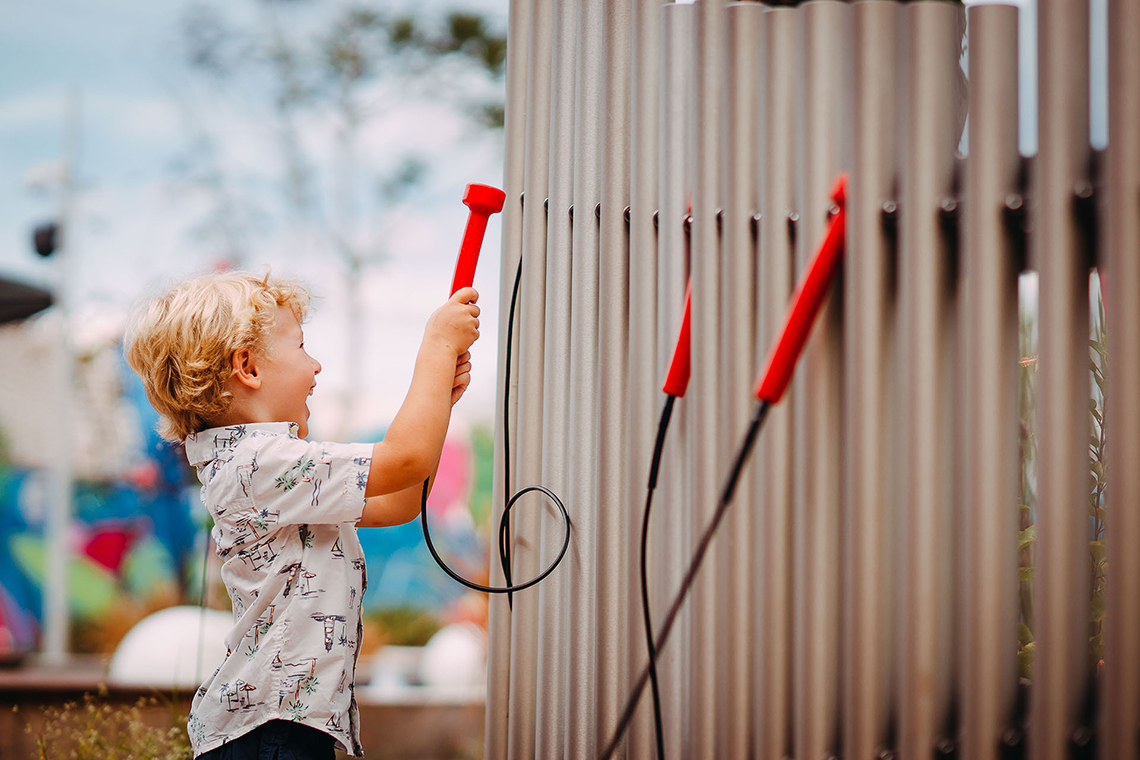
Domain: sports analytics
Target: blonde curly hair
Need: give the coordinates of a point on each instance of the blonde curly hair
(181, 343)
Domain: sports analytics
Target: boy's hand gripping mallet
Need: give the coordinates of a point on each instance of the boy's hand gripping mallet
(483, 200)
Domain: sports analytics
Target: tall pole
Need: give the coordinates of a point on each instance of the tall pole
(56, 550)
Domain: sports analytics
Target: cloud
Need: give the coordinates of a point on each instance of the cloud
(151, 118)
(31, 110)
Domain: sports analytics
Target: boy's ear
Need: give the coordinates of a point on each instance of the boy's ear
(245, 368)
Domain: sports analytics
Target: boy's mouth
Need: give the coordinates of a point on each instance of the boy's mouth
(313, 388)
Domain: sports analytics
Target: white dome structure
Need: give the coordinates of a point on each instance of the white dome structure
(455, 657)
(162, 649)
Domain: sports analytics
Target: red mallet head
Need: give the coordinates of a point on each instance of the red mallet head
(483, 200)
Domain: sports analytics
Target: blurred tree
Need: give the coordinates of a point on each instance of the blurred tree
(294, 64)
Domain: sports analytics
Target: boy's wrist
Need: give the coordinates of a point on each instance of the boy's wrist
(440, 351)
(436, 364)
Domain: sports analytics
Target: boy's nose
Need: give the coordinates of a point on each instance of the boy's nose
(317, 366)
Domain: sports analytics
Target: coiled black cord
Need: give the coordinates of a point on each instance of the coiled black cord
(504, 521)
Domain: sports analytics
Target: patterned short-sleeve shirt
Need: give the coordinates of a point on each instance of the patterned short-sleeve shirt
(285, 513)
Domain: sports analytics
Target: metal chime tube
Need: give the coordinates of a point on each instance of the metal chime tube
(867, 576)
(644, 382)
(579, 579)
(1120, 282)
(773, 539)
(927, 292)
(498, 614)
(553, 676)
(988, 442)
(744, 54)
(521, 700)
(671, 535)
(1061, 594)
(617, 524)
(825, 125)
(869, 302)
(703, 457)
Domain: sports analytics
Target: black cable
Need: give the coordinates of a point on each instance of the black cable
(505, 526)
(504, 521)
(662, 428)
(506, 512)
(694, 565)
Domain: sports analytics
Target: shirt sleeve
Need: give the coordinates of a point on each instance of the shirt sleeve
(294, 481)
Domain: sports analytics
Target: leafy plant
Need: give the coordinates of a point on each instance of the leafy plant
(1098, 560)
(404, 626)
(1027, 500)
(1097, 556)
(95, 730)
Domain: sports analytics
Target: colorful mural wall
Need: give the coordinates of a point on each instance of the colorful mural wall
(137, 539)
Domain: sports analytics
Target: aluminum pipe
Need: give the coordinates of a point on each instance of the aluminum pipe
(702, 402)
(1061, 595)
(775, 268)
(644, 382)
(506, 404)
(579, 580)
(522, 696)
(744, 23)
(988, 443)
(927, 352)
(826, 67)
(868, 345)
(670, 534)
(553, 633)
(616, 536)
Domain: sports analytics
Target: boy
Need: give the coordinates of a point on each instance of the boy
(223, 361)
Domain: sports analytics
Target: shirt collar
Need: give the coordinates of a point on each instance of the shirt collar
(208, 444)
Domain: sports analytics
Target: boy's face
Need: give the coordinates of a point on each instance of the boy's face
(288, 374)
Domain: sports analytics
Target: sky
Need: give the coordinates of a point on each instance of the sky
(141, 221)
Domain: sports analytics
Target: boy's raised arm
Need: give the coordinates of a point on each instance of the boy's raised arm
(394, 508)
(410, 451)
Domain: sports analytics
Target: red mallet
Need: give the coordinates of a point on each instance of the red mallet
(483, 200)
(806, 303)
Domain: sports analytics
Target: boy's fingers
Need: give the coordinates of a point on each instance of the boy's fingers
(465, 295)
(464, 357)
(461, 383)
(462, 368)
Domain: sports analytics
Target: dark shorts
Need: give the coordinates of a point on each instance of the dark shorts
(276, 740)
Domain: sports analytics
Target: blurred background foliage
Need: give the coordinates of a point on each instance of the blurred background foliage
(1027, 507)
(313, 85)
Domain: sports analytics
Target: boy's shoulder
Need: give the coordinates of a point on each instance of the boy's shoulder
(221, 443)
(263, 474)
